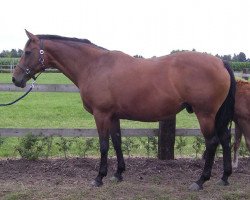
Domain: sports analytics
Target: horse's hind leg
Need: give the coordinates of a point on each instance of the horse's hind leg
(225, 140)
(212, 141)
(241, 127)
(236, 145)
(116, 139)
(211, 146)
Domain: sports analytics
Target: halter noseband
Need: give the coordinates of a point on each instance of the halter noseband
(41, 61)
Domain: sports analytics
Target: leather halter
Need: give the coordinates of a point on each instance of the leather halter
(28, 70)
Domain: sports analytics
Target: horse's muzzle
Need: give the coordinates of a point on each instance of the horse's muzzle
(13, 80)
(21, 84)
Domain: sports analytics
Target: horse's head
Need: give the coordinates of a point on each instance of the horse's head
(31, 62)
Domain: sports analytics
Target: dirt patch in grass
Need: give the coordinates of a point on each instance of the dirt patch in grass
(143, 179)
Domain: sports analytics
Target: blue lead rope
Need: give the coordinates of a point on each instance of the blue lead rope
(21, 97)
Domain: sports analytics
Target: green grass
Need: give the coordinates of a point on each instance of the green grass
(63, 110)
(51, 110)
(7, 148)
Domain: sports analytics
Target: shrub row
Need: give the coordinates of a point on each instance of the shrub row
(33, 147)
(9, 61)
(239, 66)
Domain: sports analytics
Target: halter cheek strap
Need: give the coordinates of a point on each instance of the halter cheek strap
(41, 59)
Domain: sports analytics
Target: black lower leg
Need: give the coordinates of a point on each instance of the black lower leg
(116, 139)
(104, 147)
(211, 146)
(225, 141)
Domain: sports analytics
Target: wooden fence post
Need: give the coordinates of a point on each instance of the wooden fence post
(166, 139)
(244, 75)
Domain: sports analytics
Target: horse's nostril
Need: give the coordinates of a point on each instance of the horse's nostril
(13, 79)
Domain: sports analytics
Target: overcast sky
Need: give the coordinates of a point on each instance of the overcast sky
(145, 27)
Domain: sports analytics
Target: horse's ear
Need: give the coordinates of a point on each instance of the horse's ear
(31, 36)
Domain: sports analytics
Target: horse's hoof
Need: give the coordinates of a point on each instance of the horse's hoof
(223, 183)
(116, 179)
(195, 187)
(96, 183)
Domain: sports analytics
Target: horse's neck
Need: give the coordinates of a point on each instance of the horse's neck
(73, 61)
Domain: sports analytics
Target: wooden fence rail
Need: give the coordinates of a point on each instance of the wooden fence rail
(137, 132)
(40, 88)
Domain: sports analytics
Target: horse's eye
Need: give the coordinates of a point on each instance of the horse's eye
(27, 52)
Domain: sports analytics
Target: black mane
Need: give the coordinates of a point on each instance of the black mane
(62, 38)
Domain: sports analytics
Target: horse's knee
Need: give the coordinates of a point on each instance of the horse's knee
(212, 143)
(104, 147)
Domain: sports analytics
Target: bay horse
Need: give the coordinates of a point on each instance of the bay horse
(241, 117)
(114, 86)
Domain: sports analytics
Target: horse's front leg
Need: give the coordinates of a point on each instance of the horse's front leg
(104, 125)
(116, 140)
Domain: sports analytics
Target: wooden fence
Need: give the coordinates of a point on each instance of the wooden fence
(40, 88)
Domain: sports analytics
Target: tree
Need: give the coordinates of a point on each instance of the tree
(242, 57)
(227, 57)
(235, 57)
(20, 52)
(13, 53)
(5, 54)
(176, 51)
(138, 56)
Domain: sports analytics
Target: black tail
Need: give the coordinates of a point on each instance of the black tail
(226, 111)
